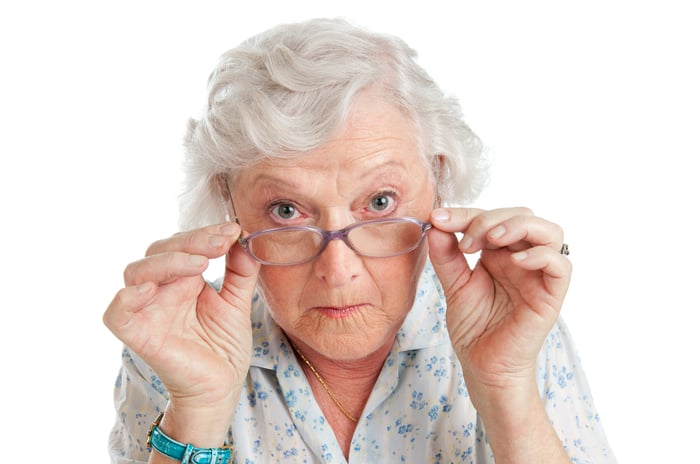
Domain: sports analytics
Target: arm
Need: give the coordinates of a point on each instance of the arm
(498, 315)
(197, 340)
(517, 425)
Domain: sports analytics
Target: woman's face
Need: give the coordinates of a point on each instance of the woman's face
(342, 305)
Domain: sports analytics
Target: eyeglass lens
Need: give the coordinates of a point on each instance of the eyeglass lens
(292, 246)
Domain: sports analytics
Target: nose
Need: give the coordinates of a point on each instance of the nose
(338, 265)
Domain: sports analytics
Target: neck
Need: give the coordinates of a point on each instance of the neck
(349, 381)
(360, 370)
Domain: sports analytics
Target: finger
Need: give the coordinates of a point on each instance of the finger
(449, 262)
(519, 232)
(164, 268)
(125, 303)
(240, 277)
(454, 219)
(211, 241)
(474, 223)
(556, 268)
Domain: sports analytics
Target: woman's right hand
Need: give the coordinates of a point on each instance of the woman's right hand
(197, 340)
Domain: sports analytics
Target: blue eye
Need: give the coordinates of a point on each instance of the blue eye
(381, 202)
(284, 211)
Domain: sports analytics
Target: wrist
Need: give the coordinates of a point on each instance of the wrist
(185, 453)
(503, 389)
(510, 408)
(203, 427)
(517, 424)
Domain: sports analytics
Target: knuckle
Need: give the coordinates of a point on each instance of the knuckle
(171, 267)
(117, 302)
(466, 214)
(191, 241)
(482, 221)
(558, 230)
(524, 211)
(107, 318)
(171, 262)
(154, 247)
(120, 300)
(130, 274)
(567, 270)
(569, 266)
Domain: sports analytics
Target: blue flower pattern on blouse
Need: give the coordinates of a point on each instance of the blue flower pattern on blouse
(418, 412)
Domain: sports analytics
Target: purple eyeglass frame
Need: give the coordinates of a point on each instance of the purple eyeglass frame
(328, 235)
(340, 234)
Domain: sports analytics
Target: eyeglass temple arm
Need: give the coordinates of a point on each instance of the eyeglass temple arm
(223, 179)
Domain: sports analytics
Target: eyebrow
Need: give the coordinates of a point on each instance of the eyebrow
(378, 169)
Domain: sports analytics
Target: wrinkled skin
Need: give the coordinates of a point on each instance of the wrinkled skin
(199, 341)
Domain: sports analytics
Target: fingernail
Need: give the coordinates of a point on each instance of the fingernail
(144, 287)
(440, 214)
(497, 232)
(466, 242)
(519, 256)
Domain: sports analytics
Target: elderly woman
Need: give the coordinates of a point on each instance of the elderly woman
(348, 325)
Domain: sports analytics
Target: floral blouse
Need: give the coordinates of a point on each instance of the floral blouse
(418, 412)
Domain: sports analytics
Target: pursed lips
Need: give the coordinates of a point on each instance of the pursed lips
(339, 311)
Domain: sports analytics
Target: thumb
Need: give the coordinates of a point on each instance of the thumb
(240, 277)
(449, 262)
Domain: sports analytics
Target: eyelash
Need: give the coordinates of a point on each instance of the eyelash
(393, 195)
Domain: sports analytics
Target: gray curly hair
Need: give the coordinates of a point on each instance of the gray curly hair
(285, 91)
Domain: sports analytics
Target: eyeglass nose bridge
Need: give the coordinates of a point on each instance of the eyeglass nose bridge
(341, 234)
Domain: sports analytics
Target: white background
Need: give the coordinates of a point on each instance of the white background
(591, 110)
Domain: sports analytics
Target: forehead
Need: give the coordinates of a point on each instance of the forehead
(375, 137)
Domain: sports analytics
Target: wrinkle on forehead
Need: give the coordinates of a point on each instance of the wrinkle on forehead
(296, 175)
(376, 141)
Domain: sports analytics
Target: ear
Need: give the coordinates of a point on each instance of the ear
(225, 195)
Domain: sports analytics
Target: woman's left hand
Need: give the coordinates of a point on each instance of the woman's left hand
(500, 312)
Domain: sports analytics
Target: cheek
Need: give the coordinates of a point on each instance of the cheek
(281, 287)
(397, 279)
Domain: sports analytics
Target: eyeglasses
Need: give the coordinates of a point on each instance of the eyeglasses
(288, 246)
(378, 238)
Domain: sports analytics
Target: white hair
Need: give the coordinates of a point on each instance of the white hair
(286, 91)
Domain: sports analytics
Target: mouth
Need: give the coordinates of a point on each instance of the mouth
(339, 312)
